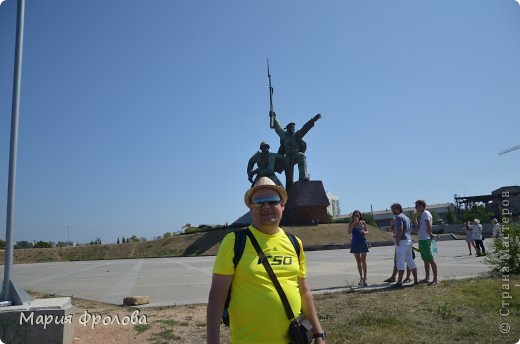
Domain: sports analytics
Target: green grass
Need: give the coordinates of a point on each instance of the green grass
(141, 328)
(462, 311)
(165, 336)
(168, 322)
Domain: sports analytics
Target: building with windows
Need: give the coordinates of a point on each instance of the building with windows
(333, 209)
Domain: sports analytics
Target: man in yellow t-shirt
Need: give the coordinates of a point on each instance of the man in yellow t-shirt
(256, 311)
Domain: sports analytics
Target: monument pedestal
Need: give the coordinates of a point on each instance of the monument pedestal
(307, 204)
(41, 321)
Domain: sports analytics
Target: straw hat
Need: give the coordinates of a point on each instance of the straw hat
(477, 221)
(265, 182)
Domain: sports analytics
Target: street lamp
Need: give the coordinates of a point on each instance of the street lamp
(10, 291)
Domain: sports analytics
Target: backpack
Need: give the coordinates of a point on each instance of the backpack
(240, 245)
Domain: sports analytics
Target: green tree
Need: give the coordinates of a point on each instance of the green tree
(451, 218)
(190, 230)
(368, 218)
(435, 218)
(341, 220)
(133, 238)
(478, 212)
(23, 244)
(42, 244)
(96, 242)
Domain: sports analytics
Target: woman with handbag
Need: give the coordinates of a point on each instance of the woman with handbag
(357, 228)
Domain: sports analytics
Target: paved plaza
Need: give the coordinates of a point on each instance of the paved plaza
(186, 280)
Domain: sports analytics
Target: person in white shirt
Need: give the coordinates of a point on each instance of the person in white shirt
(477, 236)
(497, 229)
(425, 237)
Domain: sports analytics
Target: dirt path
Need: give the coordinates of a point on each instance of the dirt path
(174, 324)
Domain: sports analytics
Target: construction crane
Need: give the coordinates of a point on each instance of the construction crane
(509, 150)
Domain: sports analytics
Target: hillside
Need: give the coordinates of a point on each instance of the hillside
(205, 243)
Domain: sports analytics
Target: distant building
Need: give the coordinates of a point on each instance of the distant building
(333, 208)
(506, 197)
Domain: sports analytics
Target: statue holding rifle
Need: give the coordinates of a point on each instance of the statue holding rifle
(292, 146)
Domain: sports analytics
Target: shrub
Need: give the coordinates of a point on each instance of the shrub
(506, 250)
(42, 244)
(191, 230)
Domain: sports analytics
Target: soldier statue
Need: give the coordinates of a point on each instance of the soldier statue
(292, 147)
(267, 164)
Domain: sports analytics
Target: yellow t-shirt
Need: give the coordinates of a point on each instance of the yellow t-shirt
(256, 311)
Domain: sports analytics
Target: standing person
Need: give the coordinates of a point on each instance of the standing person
(391, 279)
(256, 312)
(469, 236)
(403, 243)
(357, 228)
(477, 236)
(497, 229)
(425, 237)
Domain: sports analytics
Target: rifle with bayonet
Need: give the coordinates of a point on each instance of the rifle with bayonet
(271, 110)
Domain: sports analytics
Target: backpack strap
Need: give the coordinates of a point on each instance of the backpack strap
(238, 249)
(295, 243)
(239, 246)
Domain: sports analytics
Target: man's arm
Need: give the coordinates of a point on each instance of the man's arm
(217, 299)
(277, 126)
(307, 126)
(399, 232)
(429, 227)
(308, 308)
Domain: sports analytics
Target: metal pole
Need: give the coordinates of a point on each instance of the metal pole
(9, 245)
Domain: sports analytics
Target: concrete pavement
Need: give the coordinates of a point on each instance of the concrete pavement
(186, 280)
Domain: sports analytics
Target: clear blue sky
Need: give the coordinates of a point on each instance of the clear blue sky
(138, 117)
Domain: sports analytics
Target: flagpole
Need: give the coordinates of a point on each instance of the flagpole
(9, 244)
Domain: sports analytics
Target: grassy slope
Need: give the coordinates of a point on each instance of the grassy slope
(184, 245)
(462, 311)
